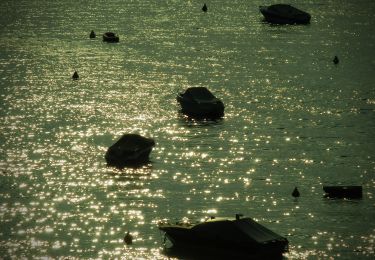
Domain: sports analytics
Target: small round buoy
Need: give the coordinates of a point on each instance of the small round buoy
(204, 8)
(128, 239)
(92, 35)
(295, 193)
(75, 75)
(336, 60)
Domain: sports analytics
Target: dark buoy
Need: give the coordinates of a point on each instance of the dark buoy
(75, 75)
(92, 35)
(295, 193)
(128, 239)
(336, 60)
(204, 8)
(238, 216)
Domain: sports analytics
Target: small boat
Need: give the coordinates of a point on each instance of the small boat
(236, 234)
(199, 102)
(350, 192)
(110, 37)
(129, 150)
(284, 14)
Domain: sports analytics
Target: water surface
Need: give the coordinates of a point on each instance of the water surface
(292, 118)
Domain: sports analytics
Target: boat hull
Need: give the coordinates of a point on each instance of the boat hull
(209, 110)
(110, 37)
(352, 192)
(239, 235)
(129, 150)
(284, 15)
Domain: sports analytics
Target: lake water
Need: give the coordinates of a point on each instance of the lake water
(292, 118)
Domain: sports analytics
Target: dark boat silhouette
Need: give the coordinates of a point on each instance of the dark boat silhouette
(284, 14)
(129, 150)
(199, 102)
(350, 192)
(233, 234)
(110, 37)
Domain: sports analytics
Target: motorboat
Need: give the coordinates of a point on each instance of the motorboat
(129, 150)
(240, 234)
(199, 102)
(110, 37)
(284, 14)
(342, 191)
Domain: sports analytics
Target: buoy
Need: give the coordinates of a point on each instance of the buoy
(295, 193)
(92, 34)
(204, 8)
(238, 216)
(75, 75)
(128, 239)
(336, 60)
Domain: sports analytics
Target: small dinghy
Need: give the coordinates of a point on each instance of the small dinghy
(110, 37)
(350, 192)
(199, 102)
(129, 150)
(235, 234)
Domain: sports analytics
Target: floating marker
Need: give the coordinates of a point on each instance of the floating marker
(295, 193)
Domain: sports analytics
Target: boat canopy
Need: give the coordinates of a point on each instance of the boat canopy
(199, 93)
(134, 141)
(241, 230)
(285, 9)
(256, 231)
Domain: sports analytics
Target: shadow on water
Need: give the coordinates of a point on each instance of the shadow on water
(123, 166)
(194, 253)
(131, 173)
(198, 121)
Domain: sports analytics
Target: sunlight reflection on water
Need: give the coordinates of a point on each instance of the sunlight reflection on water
(291, 119)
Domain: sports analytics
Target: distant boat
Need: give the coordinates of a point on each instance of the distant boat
(284, 14)
(110, 37)
(129, 150)
(199, 102)
(351, 192)
(237, 234)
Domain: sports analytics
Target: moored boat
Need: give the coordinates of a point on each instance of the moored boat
(199, 102)
(92, 35)
(350, 192)
(284, 14)
(129, 150)
(238, 234)
(110, 37)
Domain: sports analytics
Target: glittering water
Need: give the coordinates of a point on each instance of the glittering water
(292, 118)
